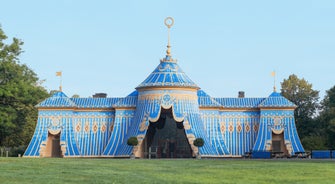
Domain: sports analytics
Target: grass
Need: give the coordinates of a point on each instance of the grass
(52, 170)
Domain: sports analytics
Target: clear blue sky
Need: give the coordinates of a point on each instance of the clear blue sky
(223, 46)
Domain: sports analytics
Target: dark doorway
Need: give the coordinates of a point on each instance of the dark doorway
(53, 146)
(278, 143)
(166, 138)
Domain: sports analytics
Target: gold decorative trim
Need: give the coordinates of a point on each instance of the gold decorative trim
(140, 89)
(143, 125)
(125, 108)
(238, 109)
(255, 127)
(78, 127)
(277, 131)
(231, 127)
(54, 132)
(276, 108)
(103, 127)
(247, 127)
(95, 127)
(223, 127)
(239, 127)
(87, 127)
(210, 108)
(187, 125)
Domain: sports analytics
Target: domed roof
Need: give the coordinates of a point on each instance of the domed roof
(168, 74)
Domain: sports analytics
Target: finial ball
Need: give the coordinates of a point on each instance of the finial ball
(169, 22)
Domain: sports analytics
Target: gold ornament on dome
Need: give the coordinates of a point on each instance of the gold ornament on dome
(169, 22)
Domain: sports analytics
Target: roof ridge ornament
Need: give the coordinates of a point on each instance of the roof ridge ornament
(169, 21)
(273, 73)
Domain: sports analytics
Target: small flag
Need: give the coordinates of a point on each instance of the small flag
(273, 73)
(58, 73)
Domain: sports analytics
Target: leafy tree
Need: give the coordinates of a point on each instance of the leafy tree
(327, 117)
(300, 92)
(19, 92)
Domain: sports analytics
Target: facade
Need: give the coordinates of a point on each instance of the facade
(166, 112)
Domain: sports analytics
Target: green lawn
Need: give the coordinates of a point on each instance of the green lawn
(27, 170)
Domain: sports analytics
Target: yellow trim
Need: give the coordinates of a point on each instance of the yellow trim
(153, 88)
(76, 109)
(211, 108)
(239, 109)
(56, 108)
(93, 109)
(277, 131)
(276, 108)
(125, 108)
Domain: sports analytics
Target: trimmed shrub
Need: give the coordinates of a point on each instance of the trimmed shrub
(132, 141)
(198, 142)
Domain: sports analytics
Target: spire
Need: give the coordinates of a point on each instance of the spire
(273, 74)
(59, 74)
(169, 21)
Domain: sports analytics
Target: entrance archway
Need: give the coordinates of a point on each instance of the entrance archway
(278, 144)
(53, 148)
(166, 138)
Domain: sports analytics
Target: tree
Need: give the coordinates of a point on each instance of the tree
(19, 92)
(300, 92)
(327, 117)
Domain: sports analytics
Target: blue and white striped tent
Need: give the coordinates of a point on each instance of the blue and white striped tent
(166, 113)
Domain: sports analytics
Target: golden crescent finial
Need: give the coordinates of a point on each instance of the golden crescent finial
(169, 22)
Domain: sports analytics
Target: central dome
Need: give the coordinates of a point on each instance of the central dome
(168, 74)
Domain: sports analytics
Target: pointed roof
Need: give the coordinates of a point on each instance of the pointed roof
(168, 74)
(59, 99)
(276, 100)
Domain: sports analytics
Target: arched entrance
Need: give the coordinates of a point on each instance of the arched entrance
(166, 138)
(278, 144)
(53, 148)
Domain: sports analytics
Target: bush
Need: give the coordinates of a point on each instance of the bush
(12, 151)
(198, 142)
(15, 151)
(314, 142)
(132, 141)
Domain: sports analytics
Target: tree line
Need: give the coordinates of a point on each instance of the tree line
(315, 119)
(19, 93)
(21, 90)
